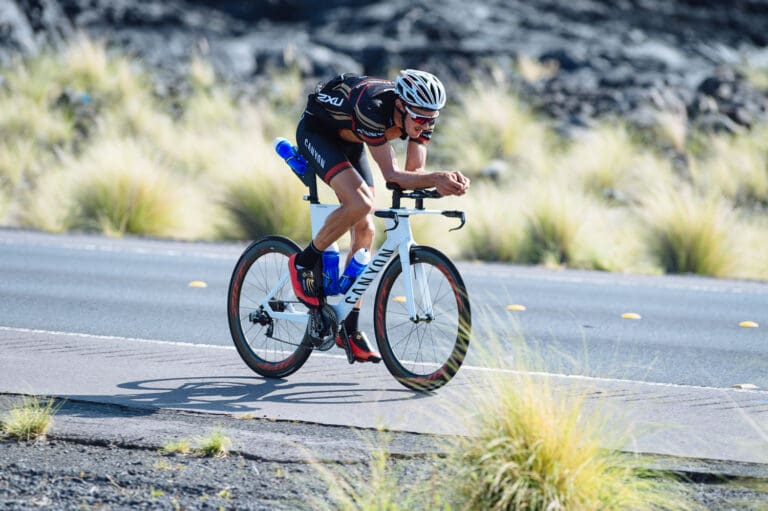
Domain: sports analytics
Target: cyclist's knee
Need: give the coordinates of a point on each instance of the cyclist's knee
(360, 206)
(364, 230)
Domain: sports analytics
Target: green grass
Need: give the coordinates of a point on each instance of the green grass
(29, 419)
(671, 129)
(214, 444)
(554, 218)
(24, 118)
(134, 168)
(181, 446)
(495, 221)
(119, 196)
(17, 160)
(539, 221)
(751, 242)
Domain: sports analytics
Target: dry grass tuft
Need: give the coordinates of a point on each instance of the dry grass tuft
(215, 444)
(30, 418)
(181, 446)
(537, 452)
(689, 234)
(503, 128)
(602, 160)
(554, 216)
(737, 167)
(86, 144)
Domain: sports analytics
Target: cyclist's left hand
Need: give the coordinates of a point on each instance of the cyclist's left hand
(451, 183)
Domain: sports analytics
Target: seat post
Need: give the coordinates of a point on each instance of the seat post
(310, 179)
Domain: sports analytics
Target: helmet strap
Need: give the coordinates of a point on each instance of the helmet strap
(403, 133)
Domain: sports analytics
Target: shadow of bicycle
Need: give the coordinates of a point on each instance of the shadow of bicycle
(239, 395)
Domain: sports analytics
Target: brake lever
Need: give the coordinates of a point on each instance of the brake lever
(396, 220)
(456, 214)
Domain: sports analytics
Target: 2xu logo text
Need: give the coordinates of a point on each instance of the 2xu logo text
(325, 98)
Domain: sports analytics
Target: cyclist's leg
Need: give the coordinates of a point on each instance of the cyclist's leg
(331, 162)
(343, 167)
(363, 231)
(356, 202)
(361, 235)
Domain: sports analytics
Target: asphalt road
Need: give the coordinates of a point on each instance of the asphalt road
(688, 331)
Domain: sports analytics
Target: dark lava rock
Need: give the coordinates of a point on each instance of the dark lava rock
(612, 57)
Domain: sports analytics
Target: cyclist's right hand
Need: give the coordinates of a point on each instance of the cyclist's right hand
(451, 183)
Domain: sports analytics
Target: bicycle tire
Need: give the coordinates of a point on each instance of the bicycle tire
(444, 339)
(283, 351)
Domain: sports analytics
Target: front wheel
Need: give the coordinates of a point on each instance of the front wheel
(425, 352)
(272, 347)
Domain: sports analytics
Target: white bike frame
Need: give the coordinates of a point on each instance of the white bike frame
(399, 240)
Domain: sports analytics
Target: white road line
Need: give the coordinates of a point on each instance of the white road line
(327, 355)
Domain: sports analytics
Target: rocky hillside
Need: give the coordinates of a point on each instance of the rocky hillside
(586, 58)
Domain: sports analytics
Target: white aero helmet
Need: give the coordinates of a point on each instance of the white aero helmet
(420, 89)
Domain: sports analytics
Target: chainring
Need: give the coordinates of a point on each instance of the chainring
(322, 327)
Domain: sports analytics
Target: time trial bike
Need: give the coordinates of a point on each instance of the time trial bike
(421, 309)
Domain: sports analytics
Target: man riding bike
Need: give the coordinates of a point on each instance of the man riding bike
(342, 116)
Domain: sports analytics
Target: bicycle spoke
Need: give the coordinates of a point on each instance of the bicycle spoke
(270, 346)
(426, 352)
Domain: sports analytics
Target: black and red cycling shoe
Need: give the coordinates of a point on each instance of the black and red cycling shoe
(360, 347)
(305, 283)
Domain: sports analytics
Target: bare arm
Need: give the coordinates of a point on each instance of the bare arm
(447, 183)
(415, 157)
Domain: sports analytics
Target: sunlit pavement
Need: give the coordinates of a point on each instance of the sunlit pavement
(691, 422)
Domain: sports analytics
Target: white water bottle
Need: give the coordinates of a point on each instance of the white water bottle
(356, 265)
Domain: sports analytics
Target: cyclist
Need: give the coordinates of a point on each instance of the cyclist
(342, 116)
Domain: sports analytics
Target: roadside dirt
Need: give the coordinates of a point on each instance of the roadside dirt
(90, 461)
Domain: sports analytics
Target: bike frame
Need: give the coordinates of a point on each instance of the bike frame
(399, 241)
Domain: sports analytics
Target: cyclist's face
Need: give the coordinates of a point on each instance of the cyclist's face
(417, 119)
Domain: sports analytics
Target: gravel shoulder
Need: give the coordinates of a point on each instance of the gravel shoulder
(109, 457)
(102, 456)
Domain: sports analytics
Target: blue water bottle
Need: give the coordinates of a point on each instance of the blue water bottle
(331, 270)
(290, 154)
(356, 265)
